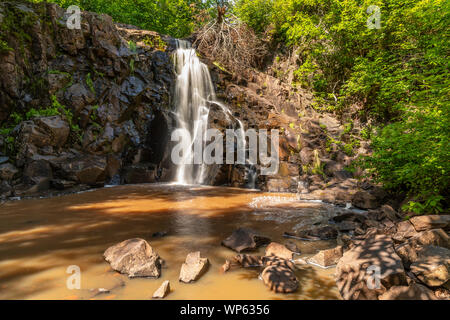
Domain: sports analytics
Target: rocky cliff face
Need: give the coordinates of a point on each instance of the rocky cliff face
(83, 108)
(80, 107)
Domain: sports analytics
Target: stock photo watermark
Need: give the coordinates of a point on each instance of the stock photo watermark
(374, 20)
(73, 282)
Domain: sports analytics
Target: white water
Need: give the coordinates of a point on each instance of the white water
(193, 94)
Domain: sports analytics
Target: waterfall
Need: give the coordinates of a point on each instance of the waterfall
(194, 93)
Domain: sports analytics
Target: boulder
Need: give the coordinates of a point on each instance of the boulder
(355, 280)
(422, 223)
(408, 251)
(432, 265)
(162, 291)
(90, 170)
(57, 128)
(365, 200)
(8, 171)
(327, 258)
(319, 233)
(5, 190)
(280, 279)
(277, 261)
(193, 268)
(244, 239)
(134, 257)
(412, 292)
(405, 230)
(248, 261)
(279, 250)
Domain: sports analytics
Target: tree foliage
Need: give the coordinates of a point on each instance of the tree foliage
(397, 74)
(177, 18)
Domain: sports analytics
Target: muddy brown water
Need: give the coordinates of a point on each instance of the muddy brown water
(41, 238)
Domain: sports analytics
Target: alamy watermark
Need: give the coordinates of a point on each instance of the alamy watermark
(73, 282)
(374, 20)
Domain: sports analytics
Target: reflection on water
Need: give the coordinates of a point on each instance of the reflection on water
(40, 238)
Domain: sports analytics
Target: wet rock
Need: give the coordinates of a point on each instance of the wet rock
(327, 258)
(353, 275)
(277, 261)
(90, 170)
(422, 223)
(319, 233)
(134, 257)
(350, 216)
(279, 250)
(193, 268)
(248, 261)
(432, 265)
(225, 267)
(412, 292)
(8, 171)
(346, 226)
(159, 234)
(280, 279)
(244, 239)
(292, 246)
(162, 291)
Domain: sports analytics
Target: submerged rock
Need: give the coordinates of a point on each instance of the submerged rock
(134, 257)
(162, 291)
(193, 268)
(247, 261)
(244, 239)
(280, 279)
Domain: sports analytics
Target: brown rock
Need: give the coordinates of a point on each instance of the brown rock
(193, 268)
(328, 257)
(225, 267)
(276, 261)
(292, 246)
(8, 171)
(279, 250)
(162, 291)
(353, 276)
(280, 279)
(432, 265)
(422, 223)
(365, 200)
(319, 233)
(57, 128)
(405, 230)
(411, 292)
(244, 239)
(246, 260)
(134, 257)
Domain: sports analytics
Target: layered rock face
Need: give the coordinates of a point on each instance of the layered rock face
(81, 105)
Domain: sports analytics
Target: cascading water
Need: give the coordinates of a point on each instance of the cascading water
(193, 94)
